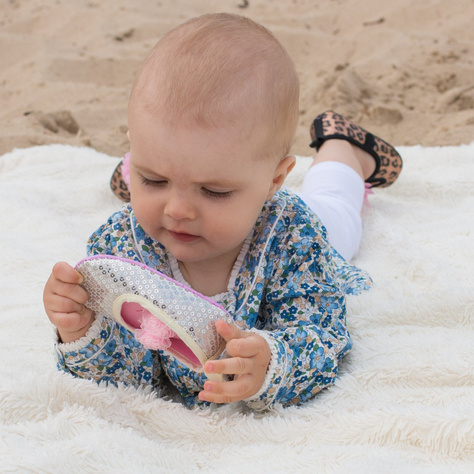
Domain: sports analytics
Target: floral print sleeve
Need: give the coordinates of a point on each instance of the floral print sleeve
(302, 310)
(305, 327)
(108, 352)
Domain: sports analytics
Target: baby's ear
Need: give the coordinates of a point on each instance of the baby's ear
(281, 172)
(128, 135)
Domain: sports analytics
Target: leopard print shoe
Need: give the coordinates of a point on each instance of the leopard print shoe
(119, 182)
(388, 163)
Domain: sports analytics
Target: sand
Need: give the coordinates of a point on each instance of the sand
(402, 69)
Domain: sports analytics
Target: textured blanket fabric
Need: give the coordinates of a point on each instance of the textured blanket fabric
(404, 401)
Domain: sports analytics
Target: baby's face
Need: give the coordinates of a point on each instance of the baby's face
(198, 191)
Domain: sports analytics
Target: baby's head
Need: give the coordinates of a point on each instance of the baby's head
(212, 116)
(218, 71)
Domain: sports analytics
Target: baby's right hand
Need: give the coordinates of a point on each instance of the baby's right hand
(64, 301)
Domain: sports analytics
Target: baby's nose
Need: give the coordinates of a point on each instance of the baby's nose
(179, 206)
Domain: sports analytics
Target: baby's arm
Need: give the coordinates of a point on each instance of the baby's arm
(109, 353)
(287, 363)
(64, 301)
(305, 360)
(95, 346)
(303, 320)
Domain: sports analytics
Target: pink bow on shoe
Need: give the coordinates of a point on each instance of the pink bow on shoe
(153, 333)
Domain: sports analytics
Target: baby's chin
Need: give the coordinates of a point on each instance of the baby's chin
(203, 254)
(192, 251)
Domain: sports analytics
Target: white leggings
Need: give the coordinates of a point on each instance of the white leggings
(335, 192)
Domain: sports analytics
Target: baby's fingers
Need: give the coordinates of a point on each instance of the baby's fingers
(230, 366)
(58, 304)
(75, 293)
(62, 271)
(228, 392)
(64, 301)
(64, 281)
(69, 318)
(63, 297)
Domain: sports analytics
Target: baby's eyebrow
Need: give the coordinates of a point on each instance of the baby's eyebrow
(147, 171)
(225, 182)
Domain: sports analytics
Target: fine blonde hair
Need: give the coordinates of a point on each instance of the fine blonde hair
(223, 70)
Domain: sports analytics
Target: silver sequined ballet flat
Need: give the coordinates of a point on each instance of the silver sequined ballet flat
(161, 312)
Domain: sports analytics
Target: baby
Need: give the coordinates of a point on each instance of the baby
(212, 116)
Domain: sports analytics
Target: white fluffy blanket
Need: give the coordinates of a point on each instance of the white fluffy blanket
(404, 401)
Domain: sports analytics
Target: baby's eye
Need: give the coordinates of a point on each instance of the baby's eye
(217, 194)
(150, 182)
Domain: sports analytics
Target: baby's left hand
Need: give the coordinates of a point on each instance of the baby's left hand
(248, 363)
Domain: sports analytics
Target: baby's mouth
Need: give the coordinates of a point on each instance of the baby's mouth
(183, 237)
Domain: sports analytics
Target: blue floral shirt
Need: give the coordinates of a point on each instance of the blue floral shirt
(289, 286)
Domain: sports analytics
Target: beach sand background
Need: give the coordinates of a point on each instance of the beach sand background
(402, 69)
